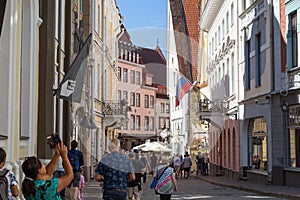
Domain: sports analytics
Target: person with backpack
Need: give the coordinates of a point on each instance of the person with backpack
(39, 183)
(8, 183)
(166, 181)
(76, 160)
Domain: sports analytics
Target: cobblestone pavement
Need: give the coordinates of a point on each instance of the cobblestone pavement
(209, 187)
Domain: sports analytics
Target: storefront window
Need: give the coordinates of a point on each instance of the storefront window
(294, 137)
(259, 142)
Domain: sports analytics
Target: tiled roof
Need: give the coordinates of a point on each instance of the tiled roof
(155, 64)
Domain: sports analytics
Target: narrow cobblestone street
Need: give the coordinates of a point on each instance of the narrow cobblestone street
(191, 188)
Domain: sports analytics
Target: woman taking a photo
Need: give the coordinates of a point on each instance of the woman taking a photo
(38, 183)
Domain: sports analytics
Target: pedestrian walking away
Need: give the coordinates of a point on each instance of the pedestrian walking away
(115, 170)
(166, 183)
(76, 159)
(187, 164)
(81, 186)
(8, 183)
(38, 183)
(135, 187)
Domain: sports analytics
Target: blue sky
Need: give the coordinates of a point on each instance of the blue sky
(146, 21)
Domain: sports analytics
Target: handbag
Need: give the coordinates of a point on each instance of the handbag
(155, 179)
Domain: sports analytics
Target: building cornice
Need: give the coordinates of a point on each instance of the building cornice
(209, 14)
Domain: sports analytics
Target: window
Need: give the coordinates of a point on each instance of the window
(257, 60)
(125, 95)
(99, 19)
(232, 14)
(294, 137)
(294, 40)
(132, 76)
(151, 123)
(138, 100)
(138, 122)
(167, 108)
(138, 78)
(151, 101)
(167, 123)
(216, 40)
(146, 101)
(119, 95)
(232, 74)
(162, 123)
(146, 123)
(132, 122)
(223, 29)
(125, 75)
(247, 65)
(219, 35)
(162, 107)
(213, 46)
(259, 143)
(132, 98)
(119, 73)
(227, 22)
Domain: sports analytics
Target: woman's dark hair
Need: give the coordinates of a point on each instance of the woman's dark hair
(2, 155)
(74, 144)
(30, 168)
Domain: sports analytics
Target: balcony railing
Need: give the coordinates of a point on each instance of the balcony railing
(115, 107)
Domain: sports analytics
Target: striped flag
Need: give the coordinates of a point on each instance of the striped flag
(182, 87)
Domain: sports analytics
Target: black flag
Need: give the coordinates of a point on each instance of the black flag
(70, 88)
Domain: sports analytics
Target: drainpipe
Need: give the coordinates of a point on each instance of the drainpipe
(272, 73)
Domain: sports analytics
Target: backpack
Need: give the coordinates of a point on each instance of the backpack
(74, 159)
(3, 185)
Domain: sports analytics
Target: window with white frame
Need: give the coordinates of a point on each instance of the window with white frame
(151, 101)
(167, 108)
(119, 95)
(132, 76)
(132, 122)
(138, 122)
(151, 124)
(162, 107)
(227, 22)
(232, 14)
(138, 100)
(125, 95)
(138, 78)
(125, 75)
(146, 123)
(146, 101)
(119, 73)
(223, 29)
(132, 98)
(232, 74)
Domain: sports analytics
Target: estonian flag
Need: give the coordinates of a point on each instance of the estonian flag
(70, 88)
(183, 86)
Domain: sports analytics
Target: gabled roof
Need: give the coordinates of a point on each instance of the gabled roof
(155, 63)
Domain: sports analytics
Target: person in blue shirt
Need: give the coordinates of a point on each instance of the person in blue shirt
(115, 170)
(38, 183)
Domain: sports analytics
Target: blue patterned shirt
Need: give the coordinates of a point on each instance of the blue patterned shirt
(45, 189)
(115, 168)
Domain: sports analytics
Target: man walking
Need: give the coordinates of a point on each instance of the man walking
(76, 160)
(115, 170)
(135, 187)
